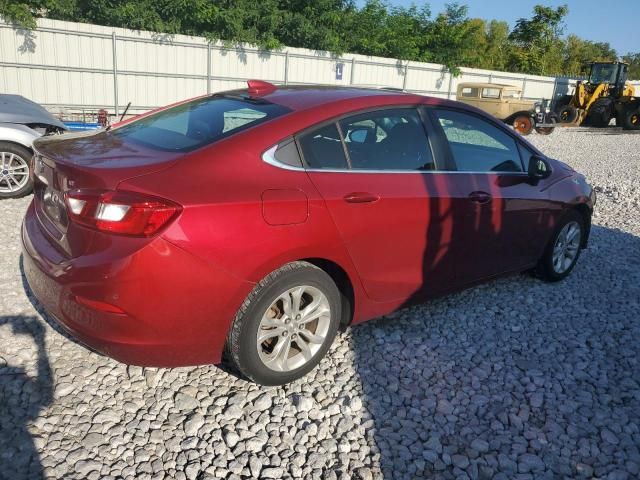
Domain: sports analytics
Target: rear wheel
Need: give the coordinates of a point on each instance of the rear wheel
(523, 124)
(15, 179)
(632, 120)
(546, 130)
(568, 114)
(563, 251)
(286, 325)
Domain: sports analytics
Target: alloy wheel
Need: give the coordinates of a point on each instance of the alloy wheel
(294, 328)
(14, 172)
(565, 250)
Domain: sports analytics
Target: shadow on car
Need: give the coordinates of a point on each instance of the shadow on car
(514, 376)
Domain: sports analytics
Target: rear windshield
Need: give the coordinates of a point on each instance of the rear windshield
(194, 124)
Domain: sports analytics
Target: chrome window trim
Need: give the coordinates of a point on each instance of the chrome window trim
(269, 157)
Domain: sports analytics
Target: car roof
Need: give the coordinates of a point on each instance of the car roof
(488, 85)
(304, 97)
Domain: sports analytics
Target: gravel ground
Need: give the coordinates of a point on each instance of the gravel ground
(513, 379)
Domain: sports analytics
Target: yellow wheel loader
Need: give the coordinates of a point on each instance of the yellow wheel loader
(604, 96)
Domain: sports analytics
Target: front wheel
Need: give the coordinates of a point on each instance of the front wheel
(15, 178)
(286, 325)
(523, 124)
(563, 251)
(568, 114)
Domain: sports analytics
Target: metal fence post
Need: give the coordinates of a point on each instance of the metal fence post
(450, 85)
(491, 78)
(286, 68)
(353, 69)
(406, 72)
(208, 67)
(115, 73)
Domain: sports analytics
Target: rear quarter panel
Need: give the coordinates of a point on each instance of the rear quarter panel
(223, 223)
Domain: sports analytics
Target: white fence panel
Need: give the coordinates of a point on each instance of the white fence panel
(74, 65)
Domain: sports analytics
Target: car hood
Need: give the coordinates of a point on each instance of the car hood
(17, 109)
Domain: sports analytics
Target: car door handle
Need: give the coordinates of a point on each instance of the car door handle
(480, 197)
(361, 197)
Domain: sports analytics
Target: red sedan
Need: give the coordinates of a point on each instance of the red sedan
(257, 222)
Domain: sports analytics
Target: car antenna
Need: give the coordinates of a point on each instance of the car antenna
(125, 112)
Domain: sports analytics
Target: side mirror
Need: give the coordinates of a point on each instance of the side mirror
(539, 168)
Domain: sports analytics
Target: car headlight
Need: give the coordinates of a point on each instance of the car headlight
(538, 108)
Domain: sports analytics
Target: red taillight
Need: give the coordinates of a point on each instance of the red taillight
(124, 213)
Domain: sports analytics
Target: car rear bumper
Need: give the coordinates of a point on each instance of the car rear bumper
(159, 306)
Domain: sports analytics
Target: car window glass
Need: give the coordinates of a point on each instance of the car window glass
(197, 123)
(237, 118)
(491, 93)
(287, 153)
(526, 154)
(322, 148)
(469, 92)
(511, 94)
(477, 145)
(390, 139)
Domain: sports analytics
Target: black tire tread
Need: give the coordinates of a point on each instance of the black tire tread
(543, 270)
(626, 119)
(233, 338)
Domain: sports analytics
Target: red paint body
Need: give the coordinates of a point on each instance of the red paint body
(420, 235)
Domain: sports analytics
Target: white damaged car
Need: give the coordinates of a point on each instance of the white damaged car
(21, 122)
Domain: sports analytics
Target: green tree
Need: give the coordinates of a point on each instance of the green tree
(579, 53)
(537, 44)
(449, 37)
(633, 59)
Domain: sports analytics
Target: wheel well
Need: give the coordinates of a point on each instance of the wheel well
(586, 213)
(342, 281)
(11, 142)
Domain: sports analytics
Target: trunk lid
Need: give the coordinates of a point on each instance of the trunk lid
(88, 161)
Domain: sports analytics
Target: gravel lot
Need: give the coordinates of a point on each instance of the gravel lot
(513, 379)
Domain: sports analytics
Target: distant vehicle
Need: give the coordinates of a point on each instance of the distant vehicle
(505, 102)
(258, 221)
(604, 96)
(21, 122)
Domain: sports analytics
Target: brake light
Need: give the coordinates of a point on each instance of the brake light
(124, 213)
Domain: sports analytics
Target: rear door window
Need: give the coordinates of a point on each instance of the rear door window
(322, 148)
(477, 145)
(389, 139)
(197, 123)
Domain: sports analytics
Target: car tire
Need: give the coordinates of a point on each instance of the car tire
(563, 251)
(290, 349)
(523, 124)
(13, 156)
(546, 130)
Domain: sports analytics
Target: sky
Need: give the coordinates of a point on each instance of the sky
(613, 21)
